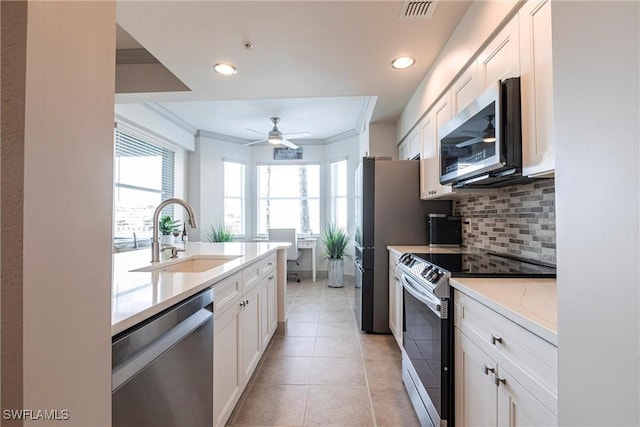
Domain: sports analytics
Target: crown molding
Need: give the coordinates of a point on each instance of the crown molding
(342, 136)
(221, 137)
(168, 115)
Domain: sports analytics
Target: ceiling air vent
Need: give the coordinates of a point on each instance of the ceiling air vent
(418, 9)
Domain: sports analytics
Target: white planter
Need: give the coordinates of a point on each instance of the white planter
(336, 273)
(166, 240)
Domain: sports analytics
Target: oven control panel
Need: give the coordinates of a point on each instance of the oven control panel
(433, 277)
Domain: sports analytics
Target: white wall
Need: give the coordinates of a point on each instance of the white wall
(596, 69)
(68, 168)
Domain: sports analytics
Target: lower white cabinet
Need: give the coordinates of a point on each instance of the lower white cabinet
(243, 327)
(504, 374)
(395, 300)
(488, 395)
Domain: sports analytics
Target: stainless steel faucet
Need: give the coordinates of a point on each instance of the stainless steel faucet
(155, 243)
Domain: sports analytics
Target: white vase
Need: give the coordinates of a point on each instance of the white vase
(336, 273)
(166, 240)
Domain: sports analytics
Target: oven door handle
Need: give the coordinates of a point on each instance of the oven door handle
(434, 304)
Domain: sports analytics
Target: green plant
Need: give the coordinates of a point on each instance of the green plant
(334, 242)
(167, 225)
(220, 233)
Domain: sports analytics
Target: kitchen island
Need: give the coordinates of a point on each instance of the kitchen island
(136, 296)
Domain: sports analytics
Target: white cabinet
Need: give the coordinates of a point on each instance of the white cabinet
(466, 89)
(403, 150)
(410, 147)
(538, 146)
(504, 374)
(250, 347)
(245, 316)
(268, 321)
(395, 300)
(487, 395)
(501, 58)
(430, 186)
(226, 384)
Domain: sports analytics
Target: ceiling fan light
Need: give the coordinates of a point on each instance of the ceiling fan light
(402, 62)
(489, 139)
(274, 140)
(225, 69)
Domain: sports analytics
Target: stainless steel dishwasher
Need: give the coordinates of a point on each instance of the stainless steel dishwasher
(163, 369)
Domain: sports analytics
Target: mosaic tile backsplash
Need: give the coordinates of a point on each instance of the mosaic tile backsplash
(518, 220)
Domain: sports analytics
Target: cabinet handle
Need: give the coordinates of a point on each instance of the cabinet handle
(269, 263)
(495, 339)
(486, 369)
(242, 304)
(270, 277)
(497, 380)
(246, 302)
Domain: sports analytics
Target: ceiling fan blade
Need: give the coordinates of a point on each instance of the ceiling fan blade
(255, 142)
(289, 144)
(296, 135)
(257, 131)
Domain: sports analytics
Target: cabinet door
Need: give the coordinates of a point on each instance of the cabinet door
(392, 300)
(517, 407)
(413, 145)
(250, 337)
(264, 314)
(272, 303)
(442, 116)
(538, 146)
(403, 151)
(476, 395)
(466, 89)
(399, 312)
(501, 58)
(226, 384)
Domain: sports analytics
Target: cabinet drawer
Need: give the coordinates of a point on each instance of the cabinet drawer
(306, 244)
(267, 264)
(529, 358)
(226, 293)
(251, 276)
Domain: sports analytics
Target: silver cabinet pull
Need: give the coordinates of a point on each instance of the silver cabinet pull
(270, 277)
(270, 263)
(497, 380)
(486, 369)
(495, 339)
(242, 304)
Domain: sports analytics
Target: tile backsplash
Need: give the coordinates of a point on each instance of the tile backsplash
(518, 220)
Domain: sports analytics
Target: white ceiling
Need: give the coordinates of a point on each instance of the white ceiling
(313, 63)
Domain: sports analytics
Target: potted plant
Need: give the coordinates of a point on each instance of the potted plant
(334, 243)
(168, 226)
(220, 233)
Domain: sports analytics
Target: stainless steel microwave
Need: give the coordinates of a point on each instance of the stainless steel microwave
(482, 145)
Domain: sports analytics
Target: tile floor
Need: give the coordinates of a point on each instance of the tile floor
(324, 371)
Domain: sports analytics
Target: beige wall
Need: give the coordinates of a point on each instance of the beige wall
(59, 281)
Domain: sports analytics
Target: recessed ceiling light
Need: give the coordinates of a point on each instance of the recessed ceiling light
(225, 69)
(402, 62)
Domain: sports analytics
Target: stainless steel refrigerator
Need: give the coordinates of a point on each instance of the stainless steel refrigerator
(388, 212)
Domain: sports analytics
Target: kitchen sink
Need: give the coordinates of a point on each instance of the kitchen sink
(193, 264)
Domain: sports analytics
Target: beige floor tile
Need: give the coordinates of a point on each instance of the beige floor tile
(291, 347)
(338, 406)
(337, 316)
(301, 329)
(380, 347)
(336, 347)
(338, 371)
(392, 408)
(273, 405)
(284, 370)
(384, 372)
(337, 329)
(302, 316)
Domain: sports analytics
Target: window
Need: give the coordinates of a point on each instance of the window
(234, 196)
(143, 177)
(338, 192)
(289, 196)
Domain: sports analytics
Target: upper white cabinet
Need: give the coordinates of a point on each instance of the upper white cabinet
(466, 88)
(430, 186)
(538, 150)
(501, 58)
(410, 147)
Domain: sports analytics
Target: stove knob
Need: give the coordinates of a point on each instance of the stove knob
(425, 271)
(432, 275)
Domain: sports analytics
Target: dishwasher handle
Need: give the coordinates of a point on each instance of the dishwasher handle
(137, 362)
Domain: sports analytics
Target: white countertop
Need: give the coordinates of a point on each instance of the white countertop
(400, 249)
(531, 303)
(136, 296)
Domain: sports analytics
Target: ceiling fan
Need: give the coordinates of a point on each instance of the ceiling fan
(488, 135)
(276, 137)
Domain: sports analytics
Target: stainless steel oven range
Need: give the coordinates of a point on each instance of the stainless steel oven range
(427, 354)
